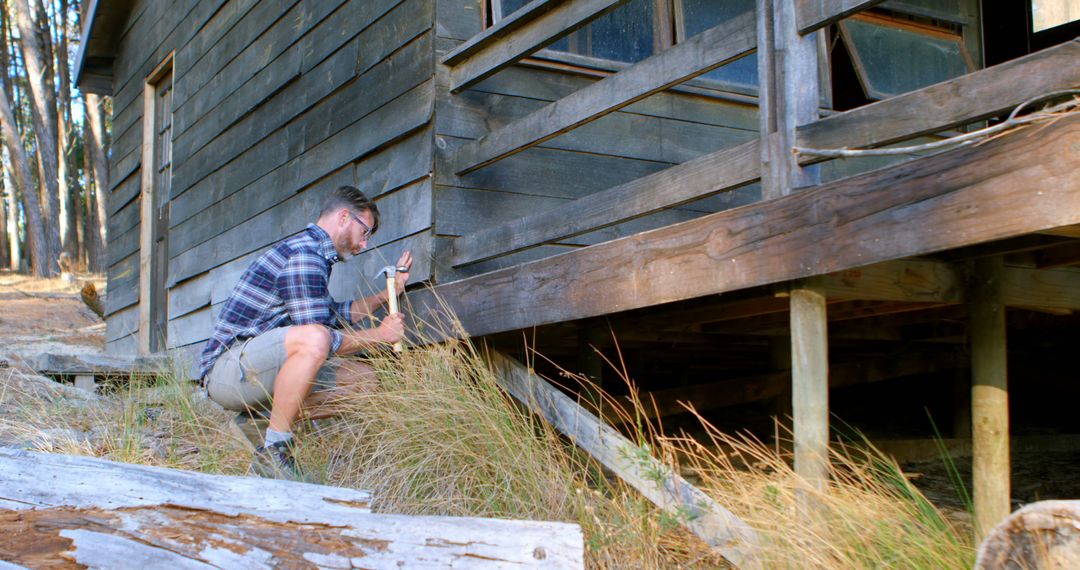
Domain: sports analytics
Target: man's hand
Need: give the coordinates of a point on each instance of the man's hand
(402, 277)
(392, 328)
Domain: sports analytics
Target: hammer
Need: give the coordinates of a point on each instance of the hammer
(391, 292)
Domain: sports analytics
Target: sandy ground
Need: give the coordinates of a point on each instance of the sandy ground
(38, 316)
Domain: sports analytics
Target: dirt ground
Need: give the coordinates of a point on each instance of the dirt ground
(39, 316)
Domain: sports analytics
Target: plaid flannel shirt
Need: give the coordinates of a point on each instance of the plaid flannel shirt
(285, 286)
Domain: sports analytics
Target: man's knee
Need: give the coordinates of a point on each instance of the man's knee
(311, 341)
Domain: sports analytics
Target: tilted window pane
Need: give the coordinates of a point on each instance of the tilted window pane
(625, 34)
(700, 15)
(895, 59)
(1046, 14)
(944, 9)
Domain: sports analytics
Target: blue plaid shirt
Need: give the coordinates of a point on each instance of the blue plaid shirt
(284, 286)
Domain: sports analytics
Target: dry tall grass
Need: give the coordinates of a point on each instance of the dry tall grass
(440, 437)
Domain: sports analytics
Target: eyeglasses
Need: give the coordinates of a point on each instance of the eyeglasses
(367, 229)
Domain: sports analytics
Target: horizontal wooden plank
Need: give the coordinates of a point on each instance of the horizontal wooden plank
(504, 27)
(122, 324)
(407, 161)
(402, 72)
(903, 280)
(948, 104)
(190, 328)
(359, 276)
(473, 114)
(812, 15)
(190, 295)
(705, 51)
(123, 279)
(123, 244)
(543, 171)
(96, 365)
(1041, 288)
(545, 28)
(714, 172)
(404, 23)
(404, 115)
(1011, 186)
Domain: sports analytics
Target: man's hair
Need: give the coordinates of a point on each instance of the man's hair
(352, 198)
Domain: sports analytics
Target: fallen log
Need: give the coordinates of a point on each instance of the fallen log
(1045, 534)
(58, 510)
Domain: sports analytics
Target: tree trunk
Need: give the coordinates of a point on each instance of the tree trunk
(14, 235)
(5, 249)
(43, 264)
(66, 182)
(92, 242)
(95, 115)
(43, 104)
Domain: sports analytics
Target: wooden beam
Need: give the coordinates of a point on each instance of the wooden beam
(810, 385)
(812, 15)
(504, 27)
(920, 112)
(707, 519)
(103, 514)
(955, 102)
(700, 54)
(1040, 288)
(500, 50)
(723, 170)
(1020, 184)
(1062, 255)
(989, 399)
(901, 280)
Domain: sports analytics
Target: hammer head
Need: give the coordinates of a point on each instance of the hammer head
(391, 270)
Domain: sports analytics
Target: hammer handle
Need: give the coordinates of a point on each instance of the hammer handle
(391, 301)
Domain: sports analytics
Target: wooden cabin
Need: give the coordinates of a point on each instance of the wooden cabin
(630, 178)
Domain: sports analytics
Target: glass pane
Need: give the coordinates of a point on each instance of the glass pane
(625, 34)
(894, 60)
(700, 15)
(1047, 14)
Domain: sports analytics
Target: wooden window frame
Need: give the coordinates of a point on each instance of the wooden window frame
(155, 180)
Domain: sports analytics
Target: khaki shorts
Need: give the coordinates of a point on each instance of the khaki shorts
(242, 379)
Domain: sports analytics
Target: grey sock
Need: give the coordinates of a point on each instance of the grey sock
(273, 437)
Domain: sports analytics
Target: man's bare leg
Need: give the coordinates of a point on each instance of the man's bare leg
(306, 349)
(351, 378)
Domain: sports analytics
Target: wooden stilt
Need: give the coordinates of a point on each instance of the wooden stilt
(810, 384)
(989, 398)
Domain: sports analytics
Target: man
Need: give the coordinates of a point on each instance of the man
(279, 328)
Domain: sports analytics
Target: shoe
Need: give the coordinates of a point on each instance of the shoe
(250, 428)
(276, 461)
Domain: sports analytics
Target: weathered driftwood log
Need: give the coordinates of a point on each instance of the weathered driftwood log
(58, 511)
(1043, 535)
(732, 537)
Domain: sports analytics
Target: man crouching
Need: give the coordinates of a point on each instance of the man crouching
(276, 335)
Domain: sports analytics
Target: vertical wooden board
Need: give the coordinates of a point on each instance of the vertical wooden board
(189, 295)
(544, 172)
(458, 19)
(403, 212)
(402, 163)
(121, 324)
(358, 276)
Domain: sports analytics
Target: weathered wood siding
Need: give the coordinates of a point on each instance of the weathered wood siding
(275, 103)
(651, 135)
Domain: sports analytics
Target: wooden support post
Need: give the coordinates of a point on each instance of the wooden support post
(989, 398)
(961, 420)
(810, 385)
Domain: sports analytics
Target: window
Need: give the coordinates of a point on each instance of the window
(1046, 14)
(641, 28)
(893, 57)
(156, 181)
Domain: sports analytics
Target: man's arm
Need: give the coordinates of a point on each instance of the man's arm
(389, 331)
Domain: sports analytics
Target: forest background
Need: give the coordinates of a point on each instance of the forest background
(54, 147)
